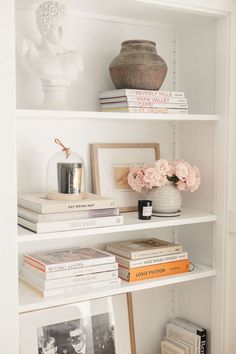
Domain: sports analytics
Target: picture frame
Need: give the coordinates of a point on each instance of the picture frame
(96, 326)
(110, 164)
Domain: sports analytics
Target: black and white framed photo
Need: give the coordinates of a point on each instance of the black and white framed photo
(99, 326)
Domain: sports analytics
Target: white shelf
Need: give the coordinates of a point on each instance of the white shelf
(131, 223)
(29, 300)
(122, 116)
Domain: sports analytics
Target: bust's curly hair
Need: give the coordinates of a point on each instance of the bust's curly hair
(47, 13)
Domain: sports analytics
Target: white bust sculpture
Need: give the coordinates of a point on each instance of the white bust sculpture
(55, 66)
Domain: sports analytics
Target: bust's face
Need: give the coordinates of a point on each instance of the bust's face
(77, 338)
(56, 31)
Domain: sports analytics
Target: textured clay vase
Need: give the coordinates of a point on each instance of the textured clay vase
(138, 66)
(166, 199)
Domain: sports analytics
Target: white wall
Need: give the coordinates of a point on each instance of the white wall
(8, 260)
(230, 308)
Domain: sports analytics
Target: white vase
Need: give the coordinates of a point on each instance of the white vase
(166, 199)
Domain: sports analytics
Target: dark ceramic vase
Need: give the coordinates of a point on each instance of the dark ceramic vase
(138, 66)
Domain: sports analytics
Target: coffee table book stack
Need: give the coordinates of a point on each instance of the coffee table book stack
(143, 101)
(42, 215)
(148, 258)
(184, 337)
(69, 271)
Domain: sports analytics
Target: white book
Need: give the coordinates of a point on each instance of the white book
(73, 215)
(192, 327)
(55, 226)
(71, 258)
(137, 92)
(127, 263)
(143, 248)
(186, 346)
(150, 99)
(69, 281)
(40, 204)
(177, 332)
(143, 105)
(171, 348)
(76, 289)
(147, 110)
(98, 268)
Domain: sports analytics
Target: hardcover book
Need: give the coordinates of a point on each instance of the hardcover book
(127, 263)
(188, 348)
(68, 259)
(40, 204)
(192, 327)
(69, 281)
(76, 289)
(143, 105)
(148, 93)
(143, 248)
(150, 99)
(154, 271)
(146, 110)
(171, 348)
(54, 226)
(74, 215)
(177, 332)
(69, 272)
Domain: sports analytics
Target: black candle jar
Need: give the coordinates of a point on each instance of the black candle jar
(144, 209)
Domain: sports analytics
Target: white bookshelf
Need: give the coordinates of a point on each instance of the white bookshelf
(113, 116)
(131, 223)
(193, 37)
(29, 300)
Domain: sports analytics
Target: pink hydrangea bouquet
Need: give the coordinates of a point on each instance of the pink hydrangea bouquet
(161, 172)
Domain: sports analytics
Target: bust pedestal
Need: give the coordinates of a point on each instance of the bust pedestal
(55, 95)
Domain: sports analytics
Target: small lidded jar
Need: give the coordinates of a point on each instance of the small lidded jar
(65, 174)
(144, 209)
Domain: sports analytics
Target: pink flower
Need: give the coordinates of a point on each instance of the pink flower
(135, 179)
(194, 179)
(135, 170)
(182, 169)
(185, 177)
(162, 166)
(150, 177)
(171, 171)
(162, 181)
(181, 186)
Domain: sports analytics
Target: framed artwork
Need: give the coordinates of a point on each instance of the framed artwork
(110, 167)
(99, 326)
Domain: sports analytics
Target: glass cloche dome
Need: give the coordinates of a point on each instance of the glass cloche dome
(65, 174)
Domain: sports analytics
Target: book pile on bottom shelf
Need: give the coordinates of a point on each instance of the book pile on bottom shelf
(184, 337)
(69, 271)
(148, 258)
(42, 215)
(143, 101)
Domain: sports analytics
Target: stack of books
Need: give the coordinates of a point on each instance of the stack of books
(41, 215)
(148, 258)
(143, 101)
(69, 271)
(184, 337)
